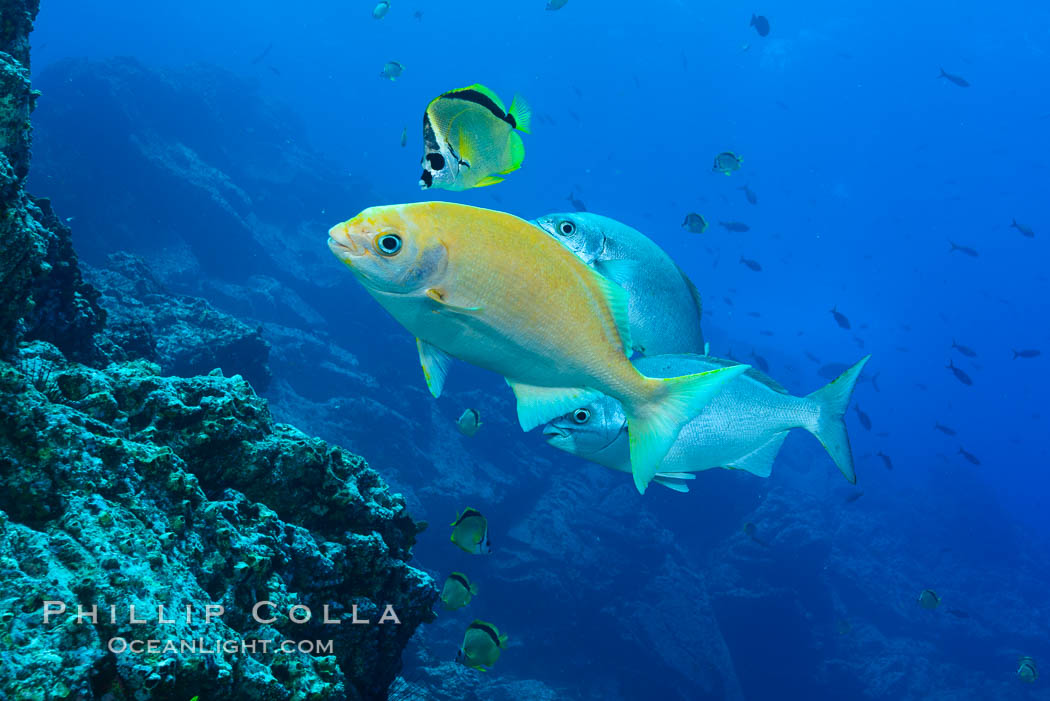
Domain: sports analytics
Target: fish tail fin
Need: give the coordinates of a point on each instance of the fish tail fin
(943, 74)
(1013, 224)
(829, 426)
(653, 427)
(1016, 354)
(522, 113)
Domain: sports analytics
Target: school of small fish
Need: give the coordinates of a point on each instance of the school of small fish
(595, 328)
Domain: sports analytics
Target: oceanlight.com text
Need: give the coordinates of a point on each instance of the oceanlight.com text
(200, 646)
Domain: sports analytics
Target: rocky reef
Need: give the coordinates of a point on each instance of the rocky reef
(133, 472)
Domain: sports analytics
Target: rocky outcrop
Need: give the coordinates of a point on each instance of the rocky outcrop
(171, 491)
(123, 485)
(185, 335)
(42, 295)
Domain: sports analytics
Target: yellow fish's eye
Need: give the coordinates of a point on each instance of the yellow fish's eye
(567, 228)
(581, 416)
(388, 244)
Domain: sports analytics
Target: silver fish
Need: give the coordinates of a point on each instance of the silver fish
(664, 307)
(742, 428)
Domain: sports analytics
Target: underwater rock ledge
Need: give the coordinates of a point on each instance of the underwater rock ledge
(122, 487)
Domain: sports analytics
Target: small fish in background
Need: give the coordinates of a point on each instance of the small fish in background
(812, 358)
(840, 318)
(751, 530)
(970, 457)
(404, 137)
(418, 14)
(380, 10)
(736, 227)
(885, 460)
(965, 350)
(761, 25)
(865, 420)
(1025, 230)
(392, 70)
(469, 423)
(972, 252)
(470, 532)
(765, 332)
(958, 613)
(265, 52)
(756, 315)
(959, 374)
(458, 591)
(752, 264)
(470, 138)
(576, 203)
(727, 162)
(956, 79)
(553, 5)
(749, 194)
(728, 301)
(482, 645)
(1026, 670)
(853, 496)
(761, 362)
(946, 430)
(1027, 353)
(929, 600)
(274, 70)
(844, 626)
(694, 223)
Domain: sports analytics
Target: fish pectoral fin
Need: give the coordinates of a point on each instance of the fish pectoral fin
(489, 180)
(538, 405)
(438, 296)
(759, 462)
(435, 364)
(671, 483)
(617, 270)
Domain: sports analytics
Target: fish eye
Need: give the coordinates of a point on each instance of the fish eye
(581, 416)
(567, 228)
(388, 244)
(436, 161)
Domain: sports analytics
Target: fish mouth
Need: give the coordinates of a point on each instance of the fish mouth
(342, 244)
(552, 433)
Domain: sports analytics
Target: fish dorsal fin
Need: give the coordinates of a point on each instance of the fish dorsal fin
(490, 630)
(616, 297)
(694, 292)
(462, 579)
(522, 114)
(435, 364)
(753, 373)
(759, 462)
(478, 87)
(538, 405)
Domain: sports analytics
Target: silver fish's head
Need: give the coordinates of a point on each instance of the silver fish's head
(580, 233)
(441, 166)
(588, 430)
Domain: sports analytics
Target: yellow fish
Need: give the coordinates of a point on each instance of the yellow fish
(469, 138)
(494, 290)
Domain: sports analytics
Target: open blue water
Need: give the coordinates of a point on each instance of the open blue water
(865, 164)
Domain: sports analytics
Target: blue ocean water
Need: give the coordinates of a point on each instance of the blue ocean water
(865, 164)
